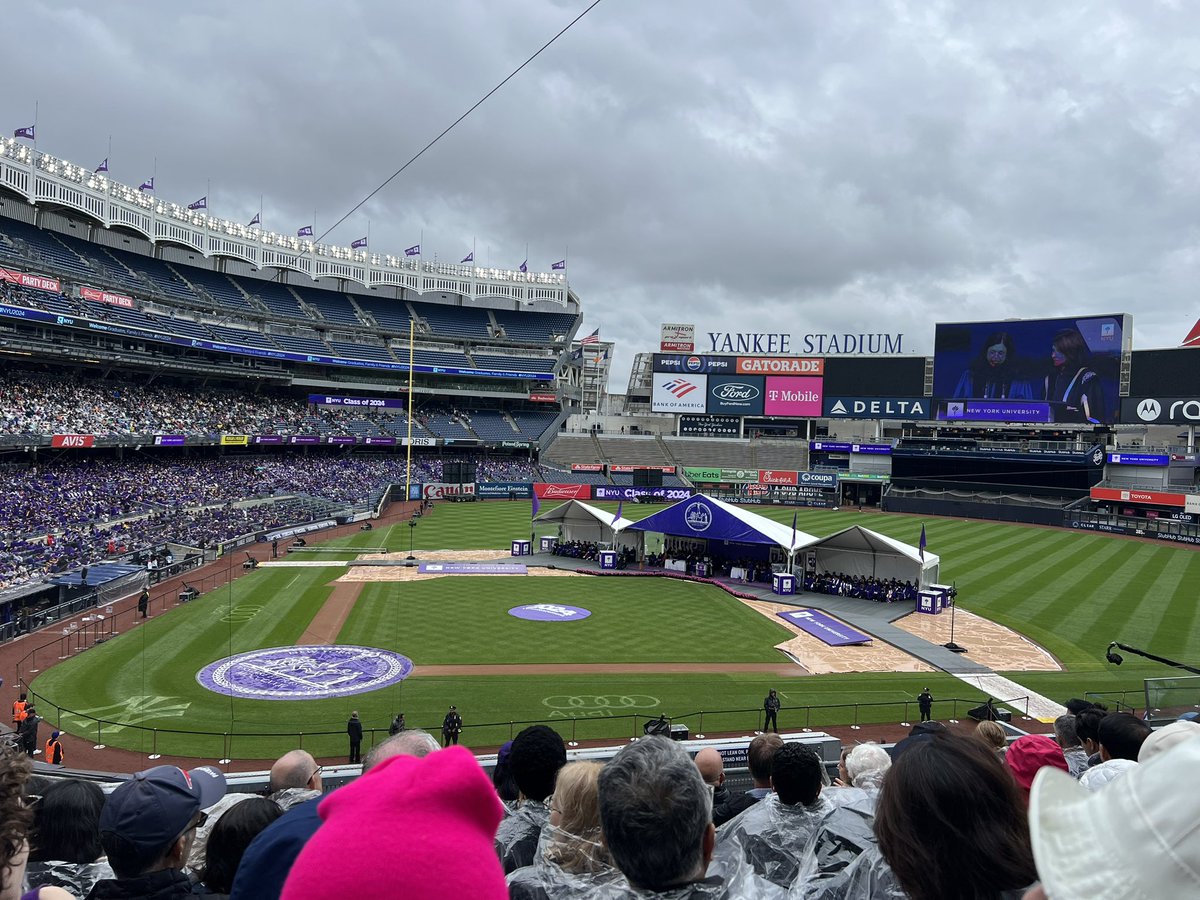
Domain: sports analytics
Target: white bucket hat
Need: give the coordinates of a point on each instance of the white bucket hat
(1138, 839)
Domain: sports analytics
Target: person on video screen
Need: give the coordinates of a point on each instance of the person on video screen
(994, 373)
(1074, 382)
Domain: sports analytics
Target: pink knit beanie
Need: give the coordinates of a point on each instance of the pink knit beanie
(418, 828)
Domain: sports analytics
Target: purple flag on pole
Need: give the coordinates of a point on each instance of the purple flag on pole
(257, 220)
(561, 264)
(922, 544)
(524, 267)
(361, 242)
(794, 529)
(103, 167)
(414, 250)
(202, 203)
(620, 506)
(25, 132)
(306, 231)
(147, 185)
(470, 257)
(537, 505)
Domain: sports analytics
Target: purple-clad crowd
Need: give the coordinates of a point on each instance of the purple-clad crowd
(65, 514)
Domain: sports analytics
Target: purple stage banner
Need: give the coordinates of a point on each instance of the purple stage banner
(305, 439)
(825, 628)
(170, 440)
(469, 568)
(549, 612)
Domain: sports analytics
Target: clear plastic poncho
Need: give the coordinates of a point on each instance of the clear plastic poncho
(771, 836)
(77, 878)
(839, 839)
(567, 866)
(868, 877)
(729, 877)
(518, 834)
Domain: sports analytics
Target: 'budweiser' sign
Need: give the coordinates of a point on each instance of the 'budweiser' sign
(88, 293)
(562, 491)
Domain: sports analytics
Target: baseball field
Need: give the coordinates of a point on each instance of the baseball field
(648, 645)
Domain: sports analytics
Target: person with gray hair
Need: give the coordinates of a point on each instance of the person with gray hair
(1068, 740)
(656, 816)
(295, 777)
(410, 742)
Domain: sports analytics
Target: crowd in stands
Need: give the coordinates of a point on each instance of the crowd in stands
(863, 587)
(69, 513)
(941, 815)
(36, 403)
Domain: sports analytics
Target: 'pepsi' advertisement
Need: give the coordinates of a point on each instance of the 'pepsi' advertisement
(1053, 371)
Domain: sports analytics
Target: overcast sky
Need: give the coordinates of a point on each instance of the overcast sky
(746, 166)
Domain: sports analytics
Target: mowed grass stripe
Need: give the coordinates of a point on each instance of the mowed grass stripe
(1181, 613)
(464, 620)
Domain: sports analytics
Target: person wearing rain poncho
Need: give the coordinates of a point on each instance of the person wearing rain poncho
(571, 859)
(536, 755)
(656, 818)
(771, 834)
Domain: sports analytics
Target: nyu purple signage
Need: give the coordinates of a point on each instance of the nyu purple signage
(701, 518)
(995, 410)
(358, 402)
(825, 628)
(305, 673)
(549, 612)
(1139, 459)
(869, 449)
(471, 568)
(600, 492)
(170, 440)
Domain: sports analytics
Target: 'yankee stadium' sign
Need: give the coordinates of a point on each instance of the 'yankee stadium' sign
(821, 342)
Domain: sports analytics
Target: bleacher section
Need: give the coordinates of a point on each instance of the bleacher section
(390, 313)
(557, 475)
(533, 425)
(453, 321)
(221, 289)
(243, 336)
(538, 328)
(780, 455)
(276, 297)
(298, 344)
(160, 275)
(445, 426)
(333, 307)
(709, 452)
(361, 350)
(492, 425)
(572, 448)
(513, 363)
(633, 451)
(44, 246)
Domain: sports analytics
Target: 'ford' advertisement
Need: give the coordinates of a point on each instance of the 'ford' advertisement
(738, 395)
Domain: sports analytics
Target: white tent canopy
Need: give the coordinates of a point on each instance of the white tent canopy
(858, 551)
(579, 521)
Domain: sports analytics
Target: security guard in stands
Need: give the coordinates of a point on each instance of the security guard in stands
(54, 750)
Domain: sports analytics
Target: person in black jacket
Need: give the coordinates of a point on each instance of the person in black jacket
(355, 730)
(451, 727)
(28, 730)
(925, 701)
(771, 706)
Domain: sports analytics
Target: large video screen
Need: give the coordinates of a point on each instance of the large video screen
(1031, 370)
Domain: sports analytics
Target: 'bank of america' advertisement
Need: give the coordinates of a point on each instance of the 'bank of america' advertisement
(679, 393)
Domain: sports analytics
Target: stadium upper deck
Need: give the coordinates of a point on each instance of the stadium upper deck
(165, 293)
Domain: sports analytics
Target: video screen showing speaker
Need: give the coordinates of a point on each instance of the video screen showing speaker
(458, 472)
(647, 478)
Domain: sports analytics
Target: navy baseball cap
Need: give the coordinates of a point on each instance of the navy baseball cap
(154, 807)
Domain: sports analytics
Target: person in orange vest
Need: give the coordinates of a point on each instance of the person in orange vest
(54, 750)
(19, 707)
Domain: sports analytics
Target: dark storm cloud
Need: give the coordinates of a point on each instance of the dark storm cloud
(762, 166)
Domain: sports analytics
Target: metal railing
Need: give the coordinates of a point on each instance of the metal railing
(242, 740)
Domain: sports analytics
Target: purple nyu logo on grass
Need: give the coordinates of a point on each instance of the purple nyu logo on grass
(549, 612)
(305, 673)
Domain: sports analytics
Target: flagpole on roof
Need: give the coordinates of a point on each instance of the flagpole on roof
(35, 121)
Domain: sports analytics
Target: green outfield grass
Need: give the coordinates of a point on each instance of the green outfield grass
(1068, 591)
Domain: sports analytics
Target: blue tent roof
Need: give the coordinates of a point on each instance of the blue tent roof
(704, 517)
